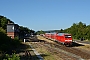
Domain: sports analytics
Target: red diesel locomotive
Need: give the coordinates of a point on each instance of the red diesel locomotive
(63, 38)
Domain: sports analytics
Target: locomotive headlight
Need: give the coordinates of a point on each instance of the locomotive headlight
(69, 36)
(68, 40)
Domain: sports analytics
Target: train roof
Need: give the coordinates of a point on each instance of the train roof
(59, 33)
(63, 34)
(51, 33)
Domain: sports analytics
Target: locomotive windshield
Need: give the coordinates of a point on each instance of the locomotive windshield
(67, 36)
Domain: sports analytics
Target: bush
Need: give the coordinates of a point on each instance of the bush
(6, 43)
(16, 42)
(2, 30)
(11, 57)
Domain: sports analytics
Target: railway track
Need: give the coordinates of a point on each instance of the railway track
(70, 52)
(58, 52)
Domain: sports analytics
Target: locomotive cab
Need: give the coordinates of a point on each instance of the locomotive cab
(68, 40)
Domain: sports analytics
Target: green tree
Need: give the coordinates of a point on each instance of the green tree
(40, 32)
(4, 21)
(78, 30)
(25, 30)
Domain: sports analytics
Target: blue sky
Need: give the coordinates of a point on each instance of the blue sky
(46, 14)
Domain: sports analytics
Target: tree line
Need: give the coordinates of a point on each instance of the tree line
(79, 30)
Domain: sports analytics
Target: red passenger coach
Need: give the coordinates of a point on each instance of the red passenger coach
(48, 35)
(64, 38)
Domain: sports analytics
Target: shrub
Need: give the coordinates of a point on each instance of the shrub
(11, 57)
(6, 43)
(2, 30)
(16, 42)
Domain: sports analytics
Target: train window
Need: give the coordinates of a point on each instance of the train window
(67, 36)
